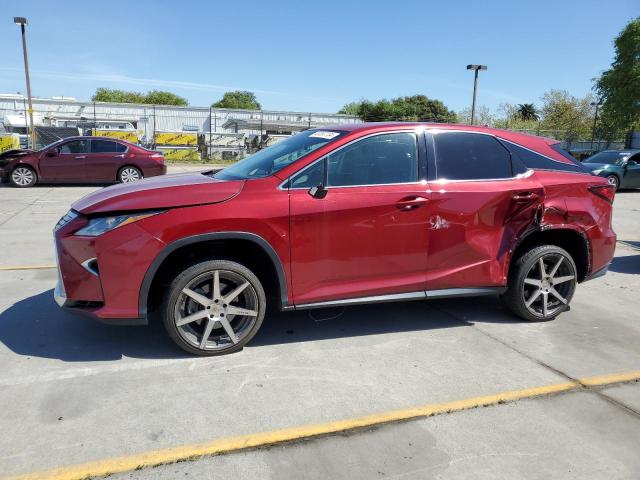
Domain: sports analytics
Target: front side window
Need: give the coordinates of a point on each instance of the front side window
(75, 146)
(470, 156)
(609, 158)
(106, 146)
(312, 176)
(274, 158)
(380, 159)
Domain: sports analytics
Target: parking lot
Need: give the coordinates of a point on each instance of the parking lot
(74, 391)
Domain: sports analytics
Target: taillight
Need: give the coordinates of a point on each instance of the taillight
(608, 192)
(158, 157)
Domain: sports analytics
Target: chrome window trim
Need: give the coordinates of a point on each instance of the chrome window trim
(570, 172)
(415, 131)
(526, 174)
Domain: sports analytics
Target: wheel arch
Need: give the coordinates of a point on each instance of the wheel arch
(226, 244)
(573, 241)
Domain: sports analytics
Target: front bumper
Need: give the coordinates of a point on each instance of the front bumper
(59, 295)
(101, 276)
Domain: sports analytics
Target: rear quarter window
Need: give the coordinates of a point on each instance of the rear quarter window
(537, 161)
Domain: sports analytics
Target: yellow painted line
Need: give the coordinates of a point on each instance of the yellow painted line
(234, 444)
(610, 379)
(28, 267)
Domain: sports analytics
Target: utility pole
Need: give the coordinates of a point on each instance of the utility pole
(476, 69)
(595, 121)
(22, 21)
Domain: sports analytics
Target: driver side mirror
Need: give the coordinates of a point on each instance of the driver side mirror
(54, 152)
(631, 163)
(318, 192)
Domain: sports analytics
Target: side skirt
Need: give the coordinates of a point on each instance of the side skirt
(403, 297)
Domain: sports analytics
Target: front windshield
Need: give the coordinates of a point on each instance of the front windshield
(51, 145)
(268, 161)
(610, 158)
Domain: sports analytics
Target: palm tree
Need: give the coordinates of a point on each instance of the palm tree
(527, 111)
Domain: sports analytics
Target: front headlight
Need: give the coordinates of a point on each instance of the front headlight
(598, 171)
(98, 226)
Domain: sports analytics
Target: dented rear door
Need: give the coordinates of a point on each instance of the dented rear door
(474, 220)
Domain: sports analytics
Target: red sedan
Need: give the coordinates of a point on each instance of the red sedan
(340, 216)
(82, 160)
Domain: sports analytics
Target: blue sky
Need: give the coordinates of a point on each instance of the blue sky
(313, 56)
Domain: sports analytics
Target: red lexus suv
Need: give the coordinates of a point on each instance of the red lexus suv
(339, 216)
(81, 160)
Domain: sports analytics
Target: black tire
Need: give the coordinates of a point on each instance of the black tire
(614, 180)
(23, 176)
(128, 174)
(519, 293)
(199, 279)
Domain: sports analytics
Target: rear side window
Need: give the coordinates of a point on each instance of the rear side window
(470, 156)
(107, 146)
(538, 161)
(380, 159)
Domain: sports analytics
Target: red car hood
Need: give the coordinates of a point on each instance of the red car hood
(179, 190)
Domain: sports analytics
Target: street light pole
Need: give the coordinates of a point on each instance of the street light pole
(595, 120)
(476, 69)
(22, 21)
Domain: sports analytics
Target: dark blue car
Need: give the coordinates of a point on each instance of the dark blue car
(621, 168)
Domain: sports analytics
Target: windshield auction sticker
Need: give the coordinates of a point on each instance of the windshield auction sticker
(324, 134)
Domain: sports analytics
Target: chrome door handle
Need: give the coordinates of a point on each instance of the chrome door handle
(411, 203)
(82, 156)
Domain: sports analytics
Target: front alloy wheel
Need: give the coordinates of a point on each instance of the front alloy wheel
(22, 177)
(541, 284)
(214, 307)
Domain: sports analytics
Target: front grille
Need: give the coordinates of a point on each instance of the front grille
(70, 215)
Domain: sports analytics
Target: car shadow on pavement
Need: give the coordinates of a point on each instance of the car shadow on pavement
(355, 321)
(37, 327)
(629, 264)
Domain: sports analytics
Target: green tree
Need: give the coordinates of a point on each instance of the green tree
(483, 116)
(411, 108)
(569, 115)
(238, 99)
(118, 96)
(156, 97)
(527, 111)
(619, 87)
(352, 108)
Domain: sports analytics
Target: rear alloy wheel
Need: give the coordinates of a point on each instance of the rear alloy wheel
(541, 284)
(214, 307)
(23, 176)
(613, 180)
(129, 174)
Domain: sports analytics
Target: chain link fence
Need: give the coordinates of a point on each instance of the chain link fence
(183, 134)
